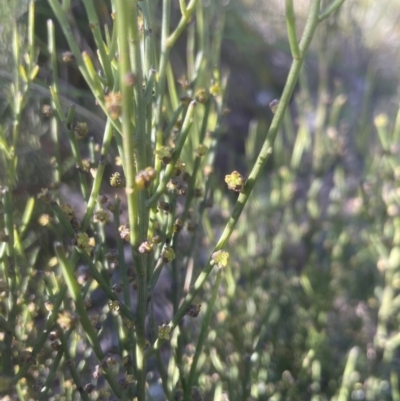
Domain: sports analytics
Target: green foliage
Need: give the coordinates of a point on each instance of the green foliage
(298, 299)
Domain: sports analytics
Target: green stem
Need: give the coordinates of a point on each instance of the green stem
(74, 290)
(94, 25)
(197, 163)
(330, 9)
(345, 388)
(182, 23)
(72, 368)
(291, 28)
(9, 270)
(264, 155)
(394, 381)
(267, 148)
(162, 72)
(125, 311)
(126, 14)
(108, 134)
(204, 330)
(91, 79)
(51, 319)
(187, 124)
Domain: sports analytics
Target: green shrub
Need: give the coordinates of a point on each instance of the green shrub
(273, 335)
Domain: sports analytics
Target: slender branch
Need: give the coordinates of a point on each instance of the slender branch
(291, 28)
(177, 151)
(92, 80)
(263, 157)
(94, 25)
(74, 290)
(330, 9)
(182, 23)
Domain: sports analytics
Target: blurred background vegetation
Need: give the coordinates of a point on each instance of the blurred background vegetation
(310, 304)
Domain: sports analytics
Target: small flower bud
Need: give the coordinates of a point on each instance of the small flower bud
(88, 388)
(164, 153)
(124, 383)
(27, 357)
(201, 96)
(179, 167)
(163, 331)
(66, 320)
(44, 220)
(54, 335)
(81, 130)
(97, 372)
(193, 310)
(68, 211)
(178, 224)
(111, 207)
(172, 184)
(274, 105)
(113, 103)
(182, 190)
(144, 178)
(67, 57)
(102, 199)
(117, 181)
(86, 165)
(184, 82)
(44, 195)
(113, 306)
(110, 361)
(168, 254)
(49, 306)
(47, 110)
(215, 90)
(129, 324)
(101, 216)
(201, 150)
(146, 247)
(56, 345)
(220, 258)
(83, 277)
(164, 206)
(156, 239)
(235, 181)
(84, 243)
(124, 232)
